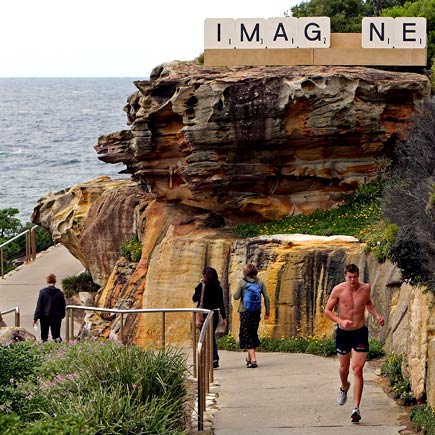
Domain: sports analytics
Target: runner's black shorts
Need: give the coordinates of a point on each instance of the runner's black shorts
(357, 340)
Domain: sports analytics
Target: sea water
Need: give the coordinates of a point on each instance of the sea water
(48, 129)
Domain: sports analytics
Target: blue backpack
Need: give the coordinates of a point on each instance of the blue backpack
(252, 297)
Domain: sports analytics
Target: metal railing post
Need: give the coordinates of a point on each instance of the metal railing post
(163, 329)
(72, 324)
(28, 247)
(2, 263)
(121, 332)
(211, 357)
(201, 389)
(194, 342)
(33, 243)
(67, 324)
(17, 317)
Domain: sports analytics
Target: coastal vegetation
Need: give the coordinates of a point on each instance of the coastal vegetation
(401, 388)
(346, 15)
(82, 282)
(11, 226)
(91, 387)
(423, 418)
(314, 345)
(132, 249)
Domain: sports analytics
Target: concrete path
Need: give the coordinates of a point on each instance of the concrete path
(20, 288)
(296, 394)
(286, 394)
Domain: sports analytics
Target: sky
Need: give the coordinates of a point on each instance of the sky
(111, 38)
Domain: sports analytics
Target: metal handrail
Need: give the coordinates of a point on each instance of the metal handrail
(17, 315)
(30, 247)
(202, 348)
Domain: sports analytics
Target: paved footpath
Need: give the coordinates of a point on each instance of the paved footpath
(20, 288)
(286, 394)
(296, 394)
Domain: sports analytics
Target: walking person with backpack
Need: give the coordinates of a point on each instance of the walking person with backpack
(249, 290)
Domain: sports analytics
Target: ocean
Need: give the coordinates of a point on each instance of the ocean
(48, 127)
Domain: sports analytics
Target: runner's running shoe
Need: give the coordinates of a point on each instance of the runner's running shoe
(342, 395)
(356, 415)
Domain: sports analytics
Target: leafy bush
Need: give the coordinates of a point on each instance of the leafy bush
(411, 258)
(408, 199)
(97, 387)
(17, 363)
(321, 346)
(392, 369)
(375, 349)
(227, 342)
(423, 417)
(314, 345)
(78, 283)
(132, 249)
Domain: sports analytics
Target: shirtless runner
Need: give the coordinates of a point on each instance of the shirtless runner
(351, 298)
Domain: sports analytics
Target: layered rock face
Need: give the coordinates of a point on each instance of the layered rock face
(208, 148)
(92, 220)
(299, 271)
(261, 143)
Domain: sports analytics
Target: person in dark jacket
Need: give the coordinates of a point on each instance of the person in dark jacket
(213, 300)
(50, 310)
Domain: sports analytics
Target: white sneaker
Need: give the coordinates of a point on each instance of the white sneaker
(342, 395)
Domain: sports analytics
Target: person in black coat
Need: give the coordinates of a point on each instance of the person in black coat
(50, 310)
(213, 300)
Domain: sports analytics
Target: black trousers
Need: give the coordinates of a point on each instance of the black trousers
(53, 324)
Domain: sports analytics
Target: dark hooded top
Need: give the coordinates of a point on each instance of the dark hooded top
(51, 303)
(213, 297)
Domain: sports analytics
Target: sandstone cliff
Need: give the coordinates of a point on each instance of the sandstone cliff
(211, 147)
(299, 271)
(263, 142)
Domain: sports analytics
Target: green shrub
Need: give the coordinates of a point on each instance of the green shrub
(293, 345)
(423, 417)
(376, 349)
(321, 346)
(392, 369)
(227, 342)
(78, 283)
(97, 386)
(315, 345)
(132, 249)
(17, 363)
(200, 59)
(43, 239)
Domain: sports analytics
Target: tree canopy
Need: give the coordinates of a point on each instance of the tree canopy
(409, 200)
(346, 15)
(9, 224)
(419, 8)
